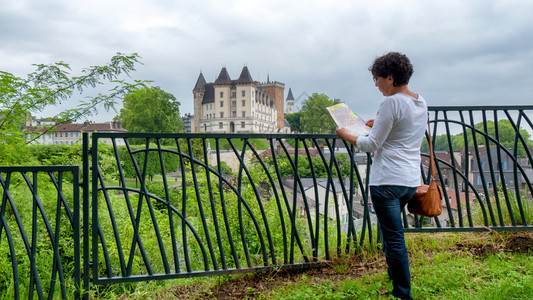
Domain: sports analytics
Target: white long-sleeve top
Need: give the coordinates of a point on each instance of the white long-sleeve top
(395, 139)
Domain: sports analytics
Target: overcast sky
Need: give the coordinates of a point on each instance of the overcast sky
(465, 52)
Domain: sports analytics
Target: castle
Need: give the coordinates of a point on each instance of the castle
(238, 106)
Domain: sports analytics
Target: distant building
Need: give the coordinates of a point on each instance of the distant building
(46, 132)
(290, 103)
(238, 106)
(187, 122)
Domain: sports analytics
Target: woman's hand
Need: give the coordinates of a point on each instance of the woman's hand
(343, 134)
(370, 123)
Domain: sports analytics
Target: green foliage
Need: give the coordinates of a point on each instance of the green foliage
(294, 121)
(314, 115)
(56, 154)
(320, 169)
(440, 269)
(258, 144)
(51, 85)
(301, 143)
(507, 204)
(20, 219)
(151, 110)
(506, 134)
(153, 165)
(225, 169)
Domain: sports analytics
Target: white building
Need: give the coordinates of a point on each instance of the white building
(238, 106)
(46, 132)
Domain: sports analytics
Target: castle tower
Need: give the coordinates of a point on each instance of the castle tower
(276, 91)
(198, 96)
(290, 102)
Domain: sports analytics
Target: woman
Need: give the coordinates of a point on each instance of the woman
(395, 139)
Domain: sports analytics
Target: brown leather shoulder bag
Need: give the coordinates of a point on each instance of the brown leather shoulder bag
(428, 198)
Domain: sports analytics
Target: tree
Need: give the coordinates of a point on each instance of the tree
(51, 85)
(506, 134)
(151, 110)
(315, 117)
(294, 121)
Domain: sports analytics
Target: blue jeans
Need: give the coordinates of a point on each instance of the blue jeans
(388, 202)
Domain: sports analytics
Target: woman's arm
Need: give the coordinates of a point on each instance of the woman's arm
(381, 127)
(342, 133)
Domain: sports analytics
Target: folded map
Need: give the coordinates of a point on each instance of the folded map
(346, 118)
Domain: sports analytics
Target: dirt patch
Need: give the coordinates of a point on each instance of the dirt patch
(521, 244)
(252, 286)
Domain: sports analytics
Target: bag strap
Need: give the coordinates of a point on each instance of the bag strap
(431, 158)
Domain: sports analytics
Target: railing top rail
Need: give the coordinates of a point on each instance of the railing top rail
(480, 107)
(39, 168)
(212, 135)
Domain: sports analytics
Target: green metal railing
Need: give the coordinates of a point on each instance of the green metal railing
(488, 182)
(216, 221)
(162, 206)
(40, 231)
(203, 221)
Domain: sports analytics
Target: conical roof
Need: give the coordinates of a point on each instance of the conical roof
(209, 95)
(290, 96)
(223, 77)
(200, 82)
(245, 76)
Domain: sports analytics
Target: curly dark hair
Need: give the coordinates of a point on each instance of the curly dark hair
(393, 63)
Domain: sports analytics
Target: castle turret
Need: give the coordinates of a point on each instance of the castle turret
(290, 102)
(198, 92)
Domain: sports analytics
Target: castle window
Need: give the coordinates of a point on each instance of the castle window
(243, 102)
(221, 103)
(242, 125)
(222, 115)
(244, 114)
(220, 125)
(221, 94)
(243, 93)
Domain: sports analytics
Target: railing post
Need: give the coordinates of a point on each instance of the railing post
(85, 187)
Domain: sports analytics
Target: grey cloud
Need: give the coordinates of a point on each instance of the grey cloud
(464, 52)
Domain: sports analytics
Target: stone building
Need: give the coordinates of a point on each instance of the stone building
(47, 132)
(238, 105)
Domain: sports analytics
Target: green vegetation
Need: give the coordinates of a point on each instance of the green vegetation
(259, 228)
(151, 110)
(466, 266)
(258, 144)
(314, 117)
(51, 85)
(446, 266)
(294, 121)
(506, 136)
(522, 211)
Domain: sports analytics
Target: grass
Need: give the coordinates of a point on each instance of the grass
(487, 265)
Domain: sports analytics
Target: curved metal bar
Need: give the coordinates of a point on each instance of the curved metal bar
(224, 210)
(242, 167)
(278, 201)
(5, 198)
(213, 211)
(291, 212)
(201, 210)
